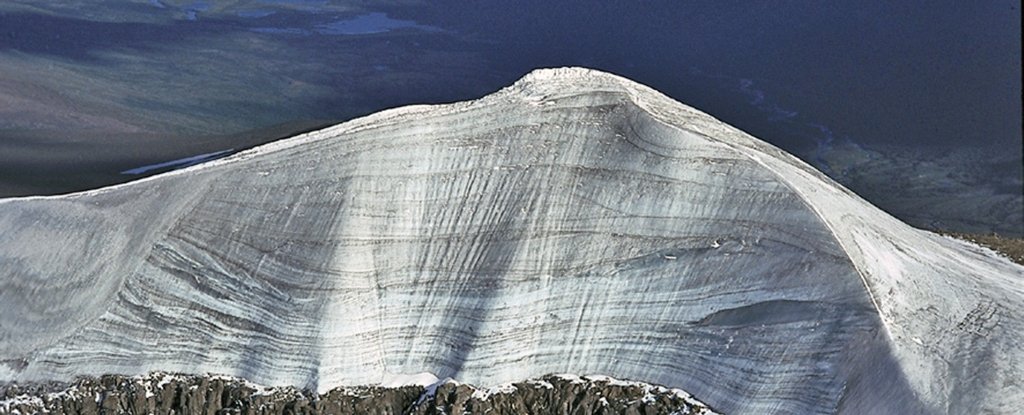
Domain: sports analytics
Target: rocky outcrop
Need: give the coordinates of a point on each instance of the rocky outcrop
(560, 395)
(160, 393)
(575, 222)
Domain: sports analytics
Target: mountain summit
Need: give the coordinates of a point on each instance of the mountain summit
(574, 222)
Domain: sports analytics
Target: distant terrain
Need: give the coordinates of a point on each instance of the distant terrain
(919, 115)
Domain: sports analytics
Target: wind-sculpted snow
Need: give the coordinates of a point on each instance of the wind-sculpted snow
(575, 222)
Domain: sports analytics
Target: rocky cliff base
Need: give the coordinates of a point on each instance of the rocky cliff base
(161, 393)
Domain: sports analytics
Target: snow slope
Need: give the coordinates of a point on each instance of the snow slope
(574, 222)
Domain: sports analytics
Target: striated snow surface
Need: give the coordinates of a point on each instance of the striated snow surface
(574, 222)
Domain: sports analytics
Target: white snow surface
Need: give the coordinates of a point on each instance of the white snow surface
(573, 222)
(419, 379)
(485, 393)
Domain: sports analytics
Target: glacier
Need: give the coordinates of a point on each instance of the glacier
(573, 222)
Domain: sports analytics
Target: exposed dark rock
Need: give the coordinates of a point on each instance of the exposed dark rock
(161, 393)
(559, 395)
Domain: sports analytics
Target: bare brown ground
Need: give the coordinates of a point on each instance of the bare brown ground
(1012, 248)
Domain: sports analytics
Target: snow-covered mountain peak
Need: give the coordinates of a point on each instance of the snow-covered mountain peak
(574, 222)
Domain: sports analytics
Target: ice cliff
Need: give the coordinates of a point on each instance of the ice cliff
(574, 222)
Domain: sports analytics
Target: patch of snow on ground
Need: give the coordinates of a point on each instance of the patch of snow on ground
(483, 394)
(23, 399)
(166, 379)
(260, 390)
(570, 378)
(613, 381)
(431, 390)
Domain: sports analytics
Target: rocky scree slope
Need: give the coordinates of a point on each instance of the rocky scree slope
(574, 222)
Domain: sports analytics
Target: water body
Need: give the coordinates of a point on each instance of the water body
(179, 163)
(366, 24)
(857, 89)
(370, 23)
